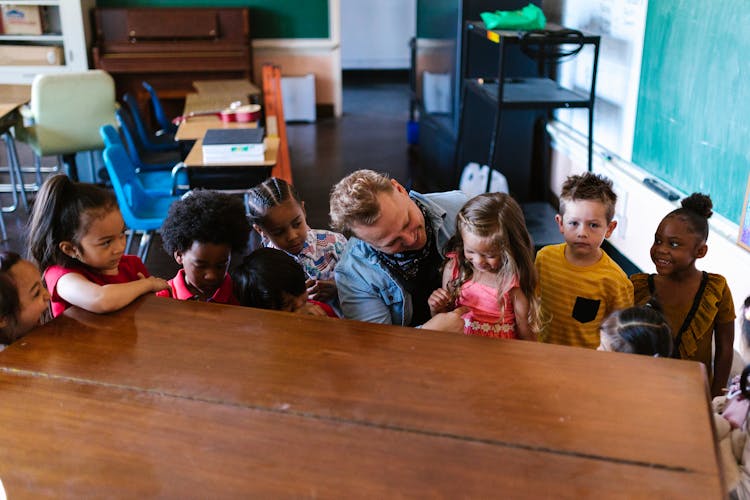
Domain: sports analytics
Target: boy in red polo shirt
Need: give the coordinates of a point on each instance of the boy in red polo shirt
(201, 231)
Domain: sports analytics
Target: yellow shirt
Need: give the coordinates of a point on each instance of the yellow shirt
(576, 299)
(716, 307)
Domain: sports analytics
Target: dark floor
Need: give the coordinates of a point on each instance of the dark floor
(370, 134)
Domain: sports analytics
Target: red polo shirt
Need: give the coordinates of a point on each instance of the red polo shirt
(179, 290)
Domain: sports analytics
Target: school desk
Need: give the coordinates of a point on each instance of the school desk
(168, 397)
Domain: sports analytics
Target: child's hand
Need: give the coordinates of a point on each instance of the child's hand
(448, 322)
(439, 301)
(321, 290)
(155, 283)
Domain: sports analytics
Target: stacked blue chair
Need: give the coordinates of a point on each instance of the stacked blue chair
(150, 140)
(158, 181)
(143, 211)
(167, 127)
(144, 159)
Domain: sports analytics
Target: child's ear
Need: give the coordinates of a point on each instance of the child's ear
(701, 251)
(69, 249)
(559, 220)
(3, 321)
(610, 227)
(178, 257)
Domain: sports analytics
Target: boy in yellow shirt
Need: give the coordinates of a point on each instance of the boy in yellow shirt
(579, 284)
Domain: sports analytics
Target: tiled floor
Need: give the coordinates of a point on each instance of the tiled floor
(371, 134)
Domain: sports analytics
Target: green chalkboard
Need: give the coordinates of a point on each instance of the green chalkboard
(268, 18)
(693, 120)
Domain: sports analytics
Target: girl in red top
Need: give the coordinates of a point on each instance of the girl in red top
(77, 235)
(269, 278)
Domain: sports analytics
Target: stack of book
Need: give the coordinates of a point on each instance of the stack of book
(233, 146)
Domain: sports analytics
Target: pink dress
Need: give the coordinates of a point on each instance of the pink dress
(484, 319)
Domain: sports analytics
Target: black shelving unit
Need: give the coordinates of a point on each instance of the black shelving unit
(491, 97)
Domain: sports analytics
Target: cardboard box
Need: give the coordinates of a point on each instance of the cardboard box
(22, 20)
(31, 55)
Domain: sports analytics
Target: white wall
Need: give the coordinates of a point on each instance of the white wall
(375, 34)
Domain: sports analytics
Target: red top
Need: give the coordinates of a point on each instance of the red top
(179, 290)
(328, 309)
(129, 267)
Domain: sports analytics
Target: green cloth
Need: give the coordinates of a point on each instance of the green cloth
(530, 17)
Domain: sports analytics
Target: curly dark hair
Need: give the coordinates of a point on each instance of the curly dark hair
(206, 217)
(696, 209)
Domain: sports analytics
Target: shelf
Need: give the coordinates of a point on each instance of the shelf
(52, 38)
(509, 36)
(534, 93)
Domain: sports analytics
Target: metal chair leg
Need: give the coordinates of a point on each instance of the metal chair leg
(144, 245)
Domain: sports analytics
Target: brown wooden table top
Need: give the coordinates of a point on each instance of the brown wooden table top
(237, 86)
(607, 408)
(195, 128)
(75, 439)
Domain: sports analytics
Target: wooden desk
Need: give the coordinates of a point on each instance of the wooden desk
(237, 87)
(273, 403)
(195, 128)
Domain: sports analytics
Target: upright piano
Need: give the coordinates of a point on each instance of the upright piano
(171, 47)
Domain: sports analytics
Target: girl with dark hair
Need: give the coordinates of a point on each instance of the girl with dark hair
(271, 279)
(24, 302)
(76, 235)
(637, 330)
(277, 213)
(697, 305)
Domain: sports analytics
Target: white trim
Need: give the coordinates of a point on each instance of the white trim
(290, 44)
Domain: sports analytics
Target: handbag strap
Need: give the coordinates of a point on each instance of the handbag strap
(690, 314)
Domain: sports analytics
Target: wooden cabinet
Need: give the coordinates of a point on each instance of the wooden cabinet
(65, 33)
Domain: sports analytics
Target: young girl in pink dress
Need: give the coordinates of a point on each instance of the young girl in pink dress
(490, 269)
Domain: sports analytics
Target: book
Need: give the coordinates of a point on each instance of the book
(225, 146)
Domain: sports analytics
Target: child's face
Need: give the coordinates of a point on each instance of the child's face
(205, 266)
(285, 225)
(291, 303)
(482, 252)
(103, 244)
(584, 227)
(675, 248)
(33, 297)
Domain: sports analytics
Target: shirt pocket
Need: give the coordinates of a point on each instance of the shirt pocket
(585, 310)
(390, 295)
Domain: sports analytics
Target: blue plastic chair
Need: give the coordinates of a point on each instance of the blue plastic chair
(173, 181)
(167, 127)
(150, 140)
(144, 159)
(142, 210)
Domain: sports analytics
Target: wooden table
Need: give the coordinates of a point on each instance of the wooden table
(195, 127)
(237, 87)
(176, 398)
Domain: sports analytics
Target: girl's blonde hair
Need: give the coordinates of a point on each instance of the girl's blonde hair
(499, 217)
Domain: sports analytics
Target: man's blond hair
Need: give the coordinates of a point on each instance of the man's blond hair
(354, 200)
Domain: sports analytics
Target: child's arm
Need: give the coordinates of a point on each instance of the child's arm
(521, 311)
(79, 291)
(440, 300)
(724, 339)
